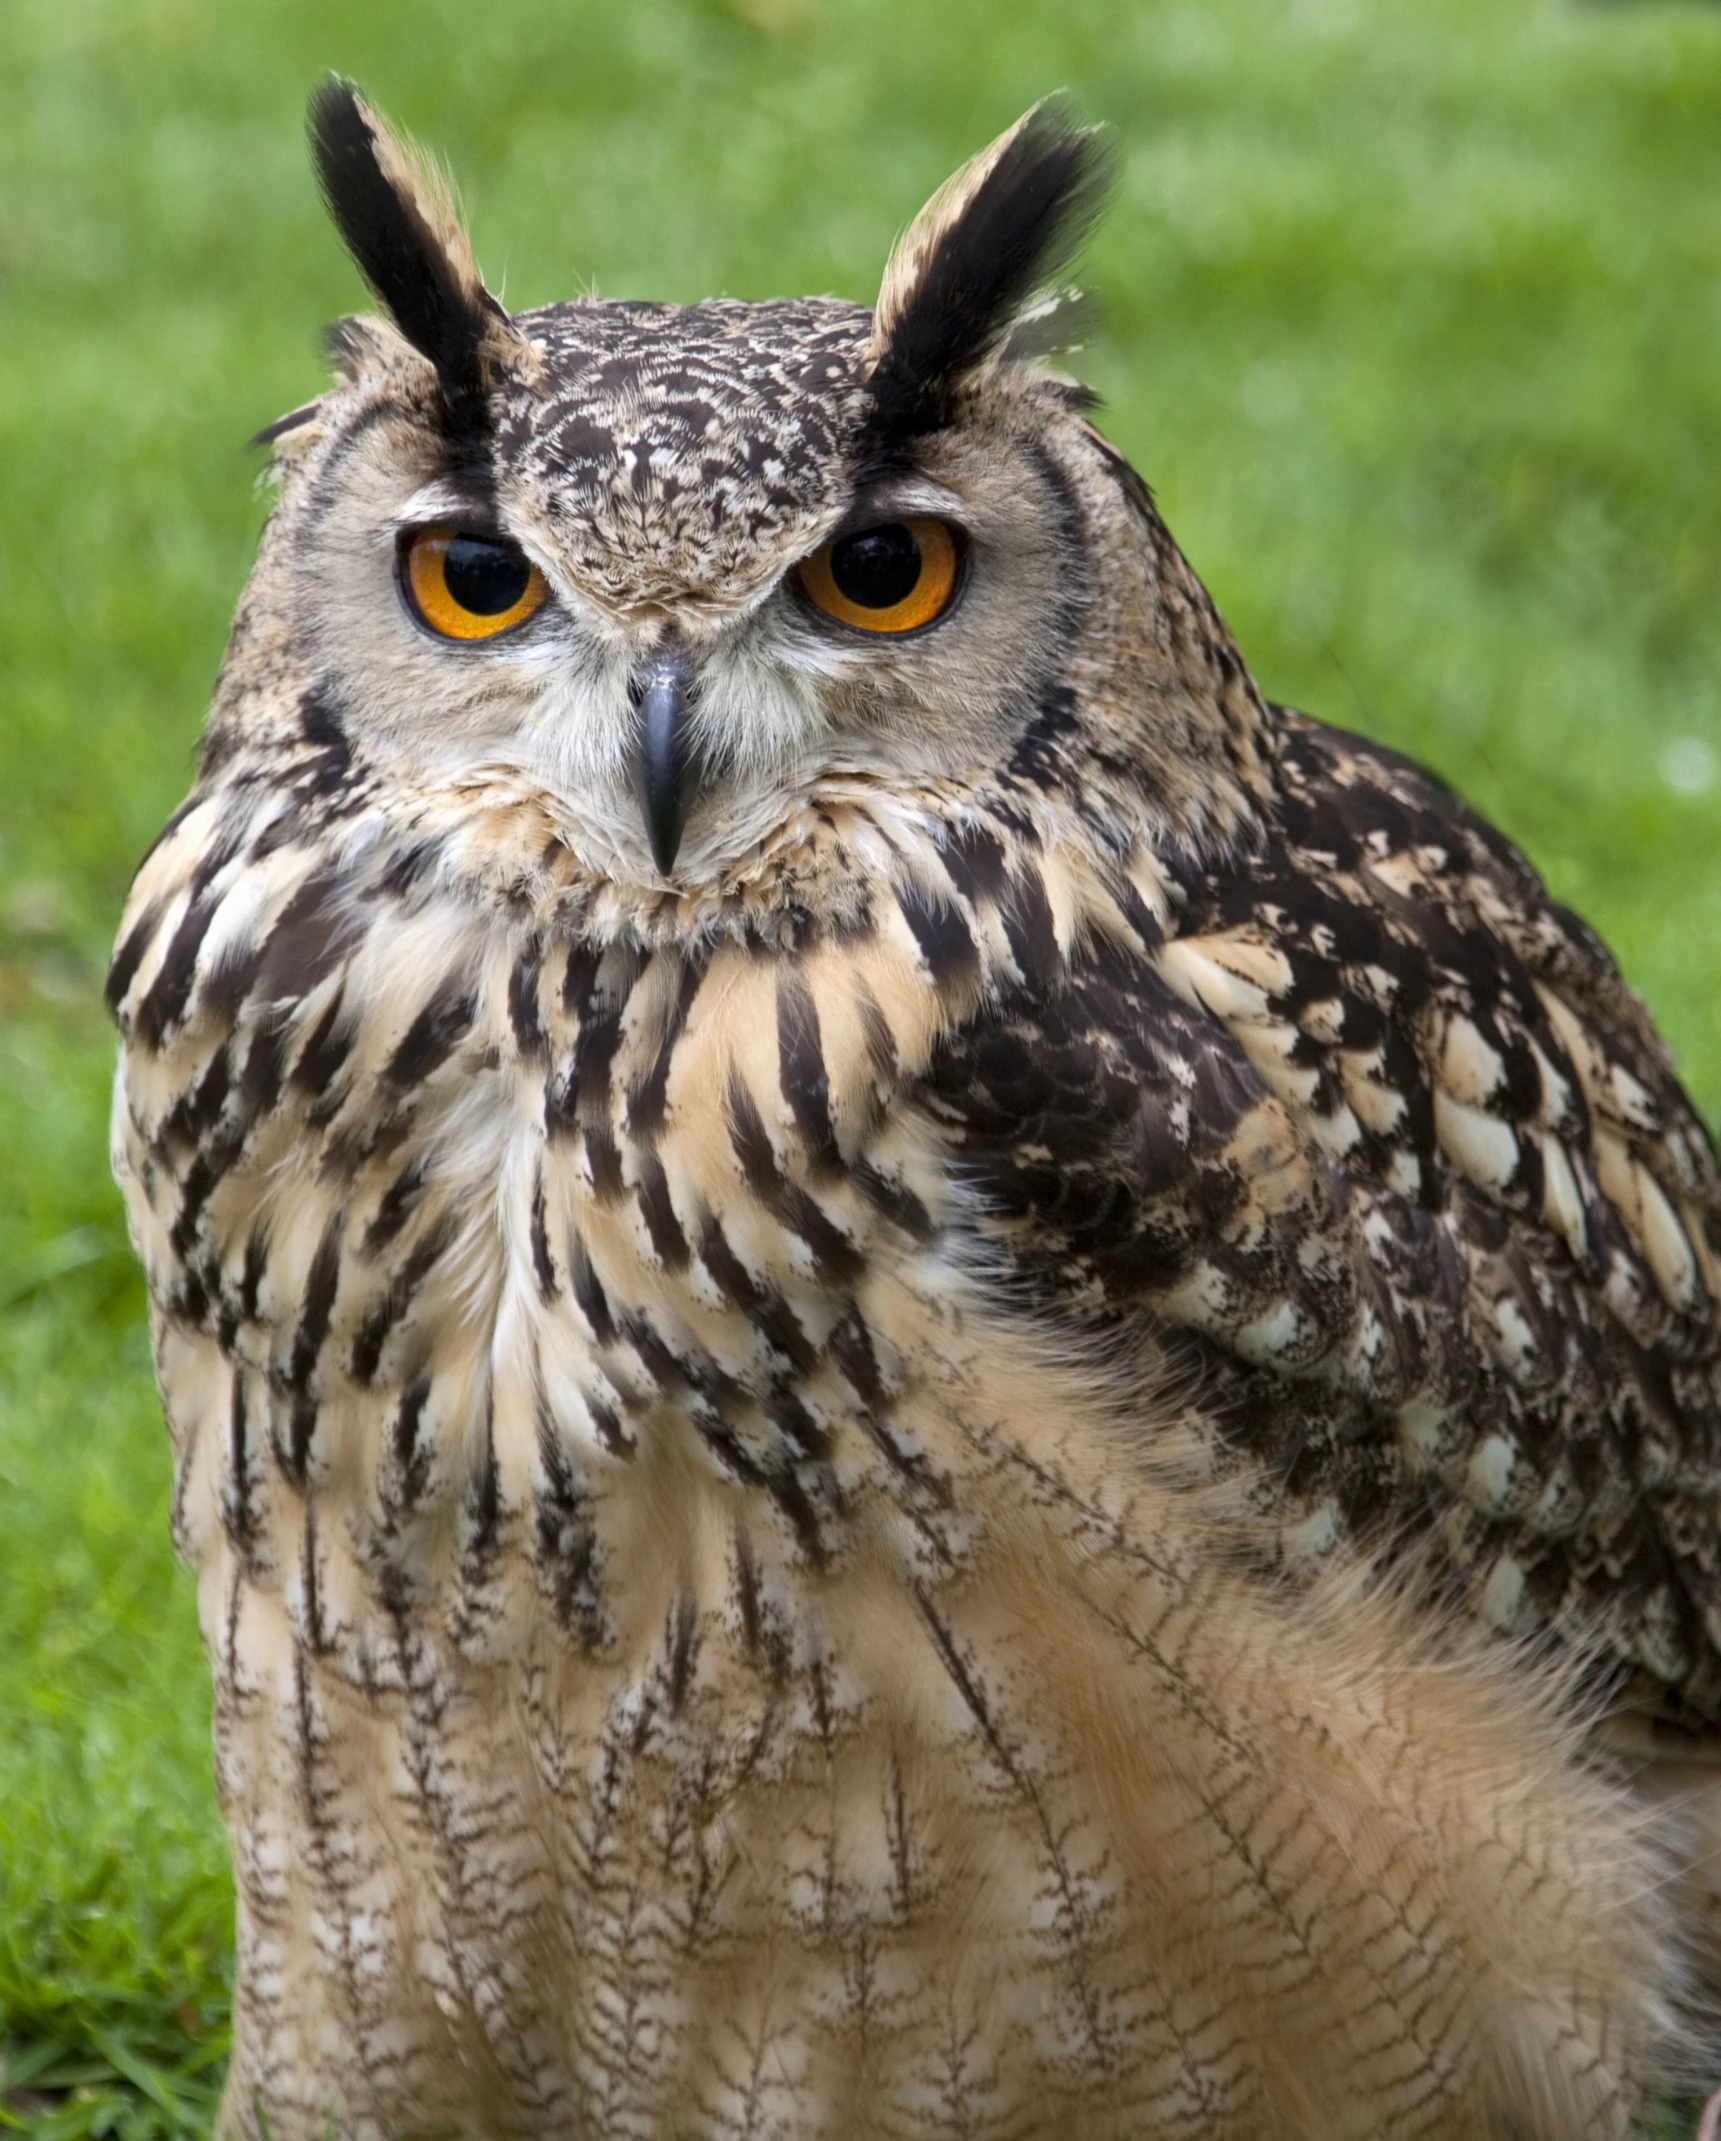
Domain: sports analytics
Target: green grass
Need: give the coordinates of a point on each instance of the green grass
(1412, 316)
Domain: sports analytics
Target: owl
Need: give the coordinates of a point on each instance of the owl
(927, 1377)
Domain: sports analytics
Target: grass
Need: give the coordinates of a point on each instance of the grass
(1412, 315)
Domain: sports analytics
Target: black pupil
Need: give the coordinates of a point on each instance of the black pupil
(485, 577)
(878, 568)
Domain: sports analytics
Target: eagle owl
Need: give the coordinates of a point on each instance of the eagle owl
(928, 1378)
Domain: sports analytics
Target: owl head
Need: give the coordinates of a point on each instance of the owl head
(687, 570)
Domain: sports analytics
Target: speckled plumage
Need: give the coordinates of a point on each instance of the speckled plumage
(871, 1485)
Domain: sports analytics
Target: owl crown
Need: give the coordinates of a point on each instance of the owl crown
(965, 273)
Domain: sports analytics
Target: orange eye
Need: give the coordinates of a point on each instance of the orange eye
(469, 586)
(892, 578)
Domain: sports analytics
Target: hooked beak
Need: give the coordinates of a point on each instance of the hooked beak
(664, 772)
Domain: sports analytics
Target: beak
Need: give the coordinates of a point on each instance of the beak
(664, 772)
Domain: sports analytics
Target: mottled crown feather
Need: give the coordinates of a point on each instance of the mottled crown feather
(977, 253)
(397, 216)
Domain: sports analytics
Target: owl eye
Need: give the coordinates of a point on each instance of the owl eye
(469, 586)
(892, 578)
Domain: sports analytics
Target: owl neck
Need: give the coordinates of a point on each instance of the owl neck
(1165, 737)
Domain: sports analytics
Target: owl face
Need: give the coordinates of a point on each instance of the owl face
(687, 568)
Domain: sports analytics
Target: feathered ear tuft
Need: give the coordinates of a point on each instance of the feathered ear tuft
(397, 216)
(976, 254)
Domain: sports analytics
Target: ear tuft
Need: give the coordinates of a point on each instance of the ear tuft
(397, 216)
(976, 255)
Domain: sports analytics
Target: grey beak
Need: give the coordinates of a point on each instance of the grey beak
(664, 771)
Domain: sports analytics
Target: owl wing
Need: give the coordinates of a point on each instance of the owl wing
(1383, 1134)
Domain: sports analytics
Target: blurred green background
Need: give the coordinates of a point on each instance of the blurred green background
(1411, 314)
